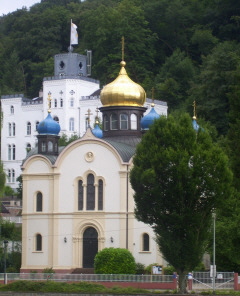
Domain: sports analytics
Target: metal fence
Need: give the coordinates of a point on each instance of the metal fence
(88, 277)
(204, 281)
(200, 280)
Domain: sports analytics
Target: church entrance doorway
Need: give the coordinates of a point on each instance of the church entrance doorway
(90, 247)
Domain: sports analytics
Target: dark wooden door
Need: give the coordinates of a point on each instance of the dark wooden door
(90, 247)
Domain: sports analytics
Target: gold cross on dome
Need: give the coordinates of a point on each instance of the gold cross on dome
(194, 110)
(88, 114)
(49, 102)
(152, 97)
(122, 48)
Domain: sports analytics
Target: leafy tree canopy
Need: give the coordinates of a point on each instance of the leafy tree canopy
(179, 176)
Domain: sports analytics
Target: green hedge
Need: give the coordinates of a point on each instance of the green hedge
(114, 261)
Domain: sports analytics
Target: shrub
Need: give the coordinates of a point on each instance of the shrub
(48, 270)
(148, 269)
(168, 270)
(140, 268)
(114, 261)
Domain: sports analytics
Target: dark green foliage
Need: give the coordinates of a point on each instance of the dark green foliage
(179, 177)
(169, 270)
(19, 189)
(2, 179)
(63, 287)
(14, 262)
(48, 270)
(8, 191)
(65, 140)
(148, 269)
(10, 231)
(114, 261)
(186, 50)
(140, 268)
(214, 83)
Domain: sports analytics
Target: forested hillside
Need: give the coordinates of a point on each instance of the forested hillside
(185, 49)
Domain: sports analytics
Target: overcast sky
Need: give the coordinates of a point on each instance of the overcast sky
(7, 6)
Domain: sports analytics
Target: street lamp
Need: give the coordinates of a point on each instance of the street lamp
(5, 260)
(214, 247)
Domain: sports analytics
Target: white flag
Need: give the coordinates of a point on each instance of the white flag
(74, 34)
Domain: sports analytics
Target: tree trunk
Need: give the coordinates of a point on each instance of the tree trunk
(182, 282)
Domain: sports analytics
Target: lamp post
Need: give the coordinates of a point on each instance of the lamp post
(5, 260)
(214, 247)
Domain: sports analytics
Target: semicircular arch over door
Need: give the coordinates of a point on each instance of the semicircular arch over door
(90, 247)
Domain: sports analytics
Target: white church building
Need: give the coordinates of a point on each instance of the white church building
(77, 199)
(75, 99)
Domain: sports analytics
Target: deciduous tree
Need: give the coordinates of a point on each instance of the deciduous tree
(179, 177)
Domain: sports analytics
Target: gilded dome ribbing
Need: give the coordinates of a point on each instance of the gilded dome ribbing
(123, 91)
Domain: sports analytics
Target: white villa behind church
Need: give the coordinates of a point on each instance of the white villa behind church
(73, 92)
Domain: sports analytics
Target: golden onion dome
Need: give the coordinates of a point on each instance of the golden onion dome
(123, 91)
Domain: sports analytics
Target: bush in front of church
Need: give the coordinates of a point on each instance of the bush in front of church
(114, 261)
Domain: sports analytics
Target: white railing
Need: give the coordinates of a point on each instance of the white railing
(87, 277)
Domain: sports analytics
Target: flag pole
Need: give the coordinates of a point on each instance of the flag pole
(70, 34)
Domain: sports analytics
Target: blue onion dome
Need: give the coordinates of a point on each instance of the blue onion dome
(48, 126)
(194, 124)
(148, 119)
(97, 132)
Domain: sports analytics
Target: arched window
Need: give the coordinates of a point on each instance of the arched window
(113, 121)
(145, 242)
(13, 152)
(38, 242)
(50, 146)
(10, 129)
(44, 146)
(13, 175)
(56, 119)
(9, 152)
(72, 102)
(39, 202)
(105, 120)
(29, 128)
(12, 110)
(61, 102)
(100, 195)
(36, 125)
(90, 192)
(71, 124)
(133, 119)
(9, 176)
(123, 121)
(13, 129)
(55, 103)
(80, 195)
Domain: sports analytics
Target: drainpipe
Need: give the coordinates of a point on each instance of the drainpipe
(127, 209)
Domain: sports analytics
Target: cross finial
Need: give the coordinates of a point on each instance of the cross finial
(194, 110)
(152, 97)
(123, 48)
(97, 110)
(49, 102)
(88, 114)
